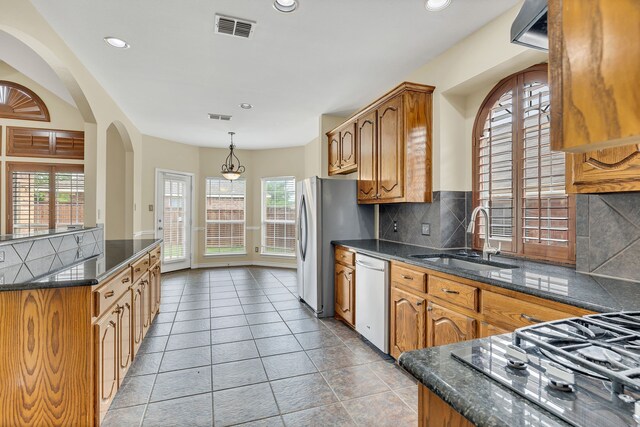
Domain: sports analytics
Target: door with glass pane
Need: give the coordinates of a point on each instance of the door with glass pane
(173, 219)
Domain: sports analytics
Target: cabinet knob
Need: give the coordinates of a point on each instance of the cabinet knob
(429, 307)
(419, 302)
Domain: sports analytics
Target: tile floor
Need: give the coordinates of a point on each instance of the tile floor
(234, 346)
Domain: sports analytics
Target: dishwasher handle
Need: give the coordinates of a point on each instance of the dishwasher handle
(362, 264)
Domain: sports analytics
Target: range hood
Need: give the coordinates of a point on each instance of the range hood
(530, 26)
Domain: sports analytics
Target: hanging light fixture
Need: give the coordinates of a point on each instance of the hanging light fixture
(230, 170)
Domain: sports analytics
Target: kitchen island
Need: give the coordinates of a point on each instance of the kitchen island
(70, 333)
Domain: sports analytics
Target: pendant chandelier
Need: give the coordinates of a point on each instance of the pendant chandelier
(231, 170)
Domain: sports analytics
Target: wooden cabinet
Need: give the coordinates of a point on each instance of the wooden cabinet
(390, 150)
(107, 369)
(488, 330)
(147, 302)
(342, 149)
(345, 293)
(516, 313)
(393, 146)
(407, 323)
(345, 285)
(435, 412)
(445, 326)
(594, 54)
(137, 330)
(367, 145)
(156, 288)
(125, 340)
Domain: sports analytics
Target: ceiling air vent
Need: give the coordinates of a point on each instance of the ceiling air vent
(234, 26)
(222, 117)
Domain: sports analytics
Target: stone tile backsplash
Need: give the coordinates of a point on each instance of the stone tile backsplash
(34, 257)
(447, 216)
(608, 235)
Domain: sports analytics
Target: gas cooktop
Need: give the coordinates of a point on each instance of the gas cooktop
(584, 370)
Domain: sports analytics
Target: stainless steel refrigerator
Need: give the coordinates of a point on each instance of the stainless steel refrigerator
(327, 210)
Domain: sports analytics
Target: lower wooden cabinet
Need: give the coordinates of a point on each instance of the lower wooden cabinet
(106, 352)
(435, 412)
(146, 302)
(155, 281)
(408, 319)
(137, 333)
(345, 291)
(446, 326)
(125, 328)
(488, 330)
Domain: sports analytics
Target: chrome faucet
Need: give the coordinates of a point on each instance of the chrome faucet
(487, 249)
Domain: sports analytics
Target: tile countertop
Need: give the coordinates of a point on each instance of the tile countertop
(476, 396)
(557, 283)
(117, 253)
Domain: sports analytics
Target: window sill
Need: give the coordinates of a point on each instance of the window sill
(225, 254)
(292, 256)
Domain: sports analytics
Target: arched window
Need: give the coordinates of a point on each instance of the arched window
(19, 102)
(517, 176)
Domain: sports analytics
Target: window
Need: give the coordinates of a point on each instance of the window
(31, 206)
(225, 205)
(279, 216)
(517, 176)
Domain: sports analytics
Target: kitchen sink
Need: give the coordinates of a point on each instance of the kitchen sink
(464, 264)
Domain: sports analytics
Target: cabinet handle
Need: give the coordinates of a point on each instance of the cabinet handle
(407, 277)
(137, 270)
(117, 310)
(125, 280)
(530, 318)
(109, 294)
(419, 302)
(449, 291)
(429, 307)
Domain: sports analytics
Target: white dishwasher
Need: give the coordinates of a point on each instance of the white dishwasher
(372, 300)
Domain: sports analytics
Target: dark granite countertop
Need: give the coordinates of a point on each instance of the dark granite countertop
(477, 397)
(116, 254)
(37, 234)
(557, 283)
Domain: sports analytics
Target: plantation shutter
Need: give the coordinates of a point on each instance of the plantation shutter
(518, 176)
(30, 202)
(69, 201)
(225, 222)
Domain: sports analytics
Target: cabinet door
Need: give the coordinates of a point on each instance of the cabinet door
(593, 53)
(125, 342)
(146, 303)
(609, 170)
(487, 330)
(407, 322)
(106, 333)
(345, 293)
(138, 316)
(367, 157)
(348, 162)
(156, 287)
(334, 153)
(445, 326)
(390, 150)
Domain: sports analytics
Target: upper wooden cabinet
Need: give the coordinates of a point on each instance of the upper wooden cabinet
(393, 146)
(342, 149)
(594, 58)
(31, 142)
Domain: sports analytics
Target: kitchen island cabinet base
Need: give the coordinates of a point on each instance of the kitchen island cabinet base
(435, 412)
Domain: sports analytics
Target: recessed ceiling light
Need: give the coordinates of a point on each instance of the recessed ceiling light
(437, 5)
(246, 106)
(285, 6)
(116, 42)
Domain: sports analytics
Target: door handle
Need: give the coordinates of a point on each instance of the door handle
(160, 228)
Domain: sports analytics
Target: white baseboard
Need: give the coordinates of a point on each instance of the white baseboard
(243, 264)
(144, 233)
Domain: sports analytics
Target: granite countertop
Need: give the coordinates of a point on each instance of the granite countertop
(553, 282)
(89, 272)
(477, 397)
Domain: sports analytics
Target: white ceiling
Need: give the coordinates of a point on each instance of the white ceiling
(328, 57)
(22, 58)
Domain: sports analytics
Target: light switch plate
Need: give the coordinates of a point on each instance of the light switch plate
(426, 229)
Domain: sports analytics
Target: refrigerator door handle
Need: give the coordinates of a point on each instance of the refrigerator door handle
(303, 217)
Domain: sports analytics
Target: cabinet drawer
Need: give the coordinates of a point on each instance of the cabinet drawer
(510, 311)
(106, 295)
(407, 277)
(154, 255)
(456, 293)
(140, 267)
(345, 257)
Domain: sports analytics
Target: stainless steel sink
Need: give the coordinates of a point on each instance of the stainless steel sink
(464, 264)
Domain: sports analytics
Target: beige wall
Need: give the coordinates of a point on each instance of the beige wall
(63, 116)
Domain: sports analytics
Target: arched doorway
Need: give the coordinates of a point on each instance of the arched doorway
(119, 181)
